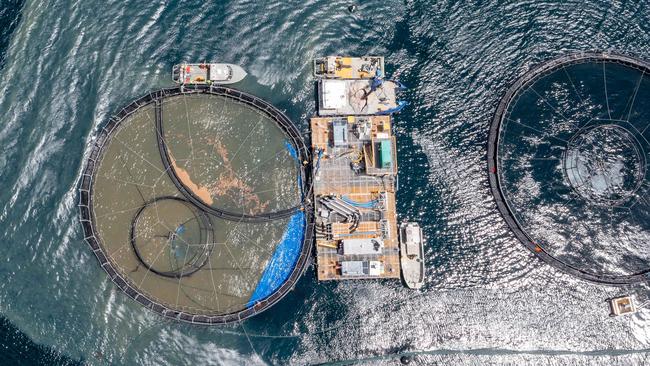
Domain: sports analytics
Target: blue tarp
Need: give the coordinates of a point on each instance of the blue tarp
(400, 105)
(283, 260)
(294, 155)
(292, 150)
(369, 204)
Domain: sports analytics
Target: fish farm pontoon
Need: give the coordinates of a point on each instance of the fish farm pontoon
(354, 154)
(568, 164)
(198, 200)
(193, 199)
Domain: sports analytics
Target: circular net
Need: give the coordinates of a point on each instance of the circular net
(230, 158)
(192, 202)
(175, 244)
(604, 164)
(568, 157)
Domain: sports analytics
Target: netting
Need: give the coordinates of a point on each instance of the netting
(568, 161)
(169, 253)
(175, 244)
(604, 164)
(223, 154)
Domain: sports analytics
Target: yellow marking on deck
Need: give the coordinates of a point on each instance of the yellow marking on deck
(328, 245)
(345, 70)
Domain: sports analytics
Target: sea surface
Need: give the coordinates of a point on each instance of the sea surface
(67, 66)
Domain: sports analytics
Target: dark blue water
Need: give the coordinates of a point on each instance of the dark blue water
(9, 19)
(15, 347)
(576, 178)
(69, 65)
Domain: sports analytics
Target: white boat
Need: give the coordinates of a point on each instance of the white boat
(412, 254)
(622, 305)
(207, 73)
(342, 67)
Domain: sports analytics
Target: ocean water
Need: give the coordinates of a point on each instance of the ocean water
(69, 65)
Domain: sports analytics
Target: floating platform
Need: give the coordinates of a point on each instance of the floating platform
(340, 67)
(357, 97)
(354, 183)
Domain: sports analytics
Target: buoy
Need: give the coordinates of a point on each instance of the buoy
(352, 8)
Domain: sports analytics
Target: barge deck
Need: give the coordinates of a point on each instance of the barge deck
(354, 170)
(355, 174)
(357, 97)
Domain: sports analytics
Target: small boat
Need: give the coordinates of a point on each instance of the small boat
(207, 73)
(341, 67)
(622, 305)
(411, 243)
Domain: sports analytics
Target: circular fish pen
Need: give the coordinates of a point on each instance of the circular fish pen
(194, 202)
(568, 165)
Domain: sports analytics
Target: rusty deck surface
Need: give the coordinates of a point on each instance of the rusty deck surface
(342, 67)
(372, 187)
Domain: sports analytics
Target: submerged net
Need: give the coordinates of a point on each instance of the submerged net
(171, 254)
(175, 244)
(569, 161)
(229, 157)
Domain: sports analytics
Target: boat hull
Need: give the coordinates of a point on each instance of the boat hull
(238, 74)
(412, 265)
(199, 74)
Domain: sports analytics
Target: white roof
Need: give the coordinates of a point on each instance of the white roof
(413, 240)
(352, 268)
(219, 72)
(413, 233)
(362, 246)
(376, 268)
(333, 94)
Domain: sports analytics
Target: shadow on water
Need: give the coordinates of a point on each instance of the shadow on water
(10, 15)
(17, 349)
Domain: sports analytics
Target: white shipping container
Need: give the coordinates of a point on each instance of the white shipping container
(362, 246)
